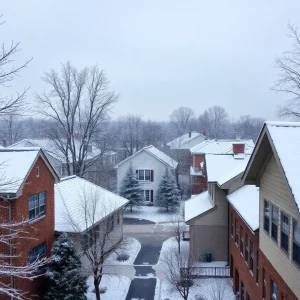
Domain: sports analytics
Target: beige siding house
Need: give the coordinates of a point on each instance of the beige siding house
(207, 213)
(91, 215)
(274, 167)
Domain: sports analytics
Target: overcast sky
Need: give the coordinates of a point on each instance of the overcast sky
(158, 54)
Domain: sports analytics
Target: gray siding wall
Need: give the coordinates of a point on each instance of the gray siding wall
(275, 189)
(209, 232)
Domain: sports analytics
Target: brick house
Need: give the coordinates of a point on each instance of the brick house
(84, 210)
(27, 195)
(214, 147)
(274, 168)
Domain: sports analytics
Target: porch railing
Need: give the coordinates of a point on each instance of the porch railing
(207, 272)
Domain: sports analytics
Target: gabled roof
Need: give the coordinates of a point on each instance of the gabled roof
(72, 193)
(161, 156)
(245, 201)
(283, 140)
(182, 141)
(221, 146)
(52, 148)
(15, 166)
(197, 205)
(221, 168)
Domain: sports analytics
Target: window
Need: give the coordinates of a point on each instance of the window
(246, 248)
(37, 205)
(242, 291)
(273, 295)
(257, 267)
(267, 216)
(285, 232)
(296, 244)
(251, 256)
(144, 175)
(37, 253)
(37, 172)
(264, 291)
(274, 230)
(247, 297)
(231, 228)
(242, 241)
(236, 232)
(211, 190)
(147, 195)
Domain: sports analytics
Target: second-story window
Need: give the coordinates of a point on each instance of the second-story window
(251, 256)
(296, 244)
(144, 175)
(242, 241)
(274, 231)
(273, 290)
(257, 267)
(285, 229)
(236, 232)
(246, 248)
(37, 253)
(37, 205)
(264, 291)
(267, 216)
(232, 225)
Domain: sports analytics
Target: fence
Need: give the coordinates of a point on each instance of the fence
(207, 272)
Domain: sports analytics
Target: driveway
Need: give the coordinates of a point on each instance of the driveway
(151, 236)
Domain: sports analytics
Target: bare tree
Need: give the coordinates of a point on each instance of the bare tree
(288, 80)
(8, 72)
(215, 288)
(78, 101)
(152, 134)
(248, 127)
(12, 127)
(178, 227)
(214, 122)
(96, 233)
(181, 118)
(176, 269)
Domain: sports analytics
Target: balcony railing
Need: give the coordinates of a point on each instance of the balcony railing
(207, 272)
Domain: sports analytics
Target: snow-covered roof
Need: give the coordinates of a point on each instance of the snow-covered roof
(51, 148)
(14, 167)
(286, 139)
(221, 146)
(182, 141)
(197, 205)
(155, 153)
(72, 193)
(245, 201)
(224, 167)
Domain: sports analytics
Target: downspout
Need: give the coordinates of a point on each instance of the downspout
(10, 243)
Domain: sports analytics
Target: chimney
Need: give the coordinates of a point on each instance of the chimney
(190, 134)
(238, 148)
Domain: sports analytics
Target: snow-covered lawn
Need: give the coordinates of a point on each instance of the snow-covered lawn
(129, 246)
(117, 287)
(208, 289)
(151, 213)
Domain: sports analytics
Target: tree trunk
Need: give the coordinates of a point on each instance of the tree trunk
(97, 288)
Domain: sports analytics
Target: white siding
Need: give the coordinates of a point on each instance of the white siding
(143, 160)
(274, 188)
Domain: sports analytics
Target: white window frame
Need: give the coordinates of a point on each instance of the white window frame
(144, 195)
(211, 191)
(144, 171)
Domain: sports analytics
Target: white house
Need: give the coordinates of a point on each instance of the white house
(149, 164)
(187, 140)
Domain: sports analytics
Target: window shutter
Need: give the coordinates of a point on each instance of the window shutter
(151, 195)
(152, 176)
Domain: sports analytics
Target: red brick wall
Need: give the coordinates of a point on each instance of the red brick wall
(271, 274)
(238, 264)
(198, 158)
(199, 184)
(38, 231)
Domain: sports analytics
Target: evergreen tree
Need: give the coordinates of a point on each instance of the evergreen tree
(130, 189)
(65, 277)
(168, 194)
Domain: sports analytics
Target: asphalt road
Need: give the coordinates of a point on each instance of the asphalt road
(151, 236)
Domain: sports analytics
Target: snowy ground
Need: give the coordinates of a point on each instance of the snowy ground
(208, 289)
(117, 285)
(129, 246)
(151, 213)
